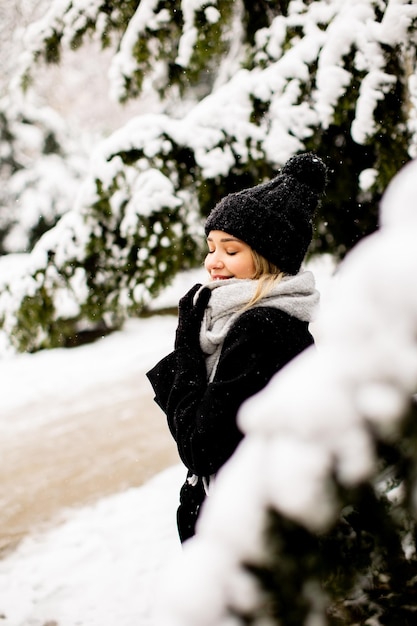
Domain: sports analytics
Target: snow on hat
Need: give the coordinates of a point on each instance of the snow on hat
(275, 218)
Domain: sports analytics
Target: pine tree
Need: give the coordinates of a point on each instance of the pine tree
(244, 85)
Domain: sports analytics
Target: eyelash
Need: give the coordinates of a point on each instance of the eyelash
(228, 253)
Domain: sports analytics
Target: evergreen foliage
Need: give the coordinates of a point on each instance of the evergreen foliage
(244, 86)
(40, 167)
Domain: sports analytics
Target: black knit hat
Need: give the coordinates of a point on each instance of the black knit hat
(275, 218)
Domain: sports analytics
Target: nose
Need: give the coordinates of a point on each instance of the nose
(214, 261)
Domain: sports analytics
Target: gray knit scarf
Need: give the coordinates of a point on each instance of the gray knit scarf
(295, 295)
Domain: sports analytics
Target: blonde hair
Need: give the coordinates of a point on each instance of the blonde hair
(267, 274)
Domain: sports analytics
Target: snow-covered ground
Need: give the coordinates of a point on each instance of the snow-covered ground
(101, 567)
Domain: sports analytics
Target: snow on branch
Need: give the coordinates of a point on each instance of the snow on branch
(64, 26)
(177, 43)
(322, 77)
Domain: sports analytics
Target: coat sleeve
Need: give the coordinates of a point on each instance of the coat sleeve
(201, 415)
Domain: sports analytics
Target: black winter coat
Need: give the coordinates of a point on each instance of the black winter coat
(202, 415)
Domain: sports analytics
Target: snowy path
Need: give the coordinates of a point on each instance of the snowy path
(87, 454)
(88, 517)
(79, 425)
(103, 566)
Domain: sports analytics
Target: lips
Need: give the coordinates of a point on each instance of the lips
(216, 277)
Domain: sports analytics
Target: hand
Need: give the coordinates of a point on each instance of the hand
(190, 316)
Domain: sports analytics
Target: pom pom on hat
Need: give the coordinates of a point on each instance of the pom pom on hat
(275, 218)
(308, 169)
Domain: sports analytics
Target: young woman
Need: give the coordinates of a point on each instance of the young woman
(244, 325)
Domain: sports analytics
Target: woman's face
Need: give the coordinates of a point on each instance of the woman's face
(228, 257)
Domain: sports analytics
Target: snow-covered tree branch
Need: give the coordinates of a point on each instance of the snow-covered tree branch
(170, 43)
(245, 86)
(41, 167)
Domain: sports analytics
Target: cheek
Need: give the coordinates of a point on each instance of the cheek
(251, 269)
(250, 264)
(245, 267)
